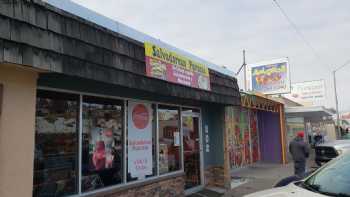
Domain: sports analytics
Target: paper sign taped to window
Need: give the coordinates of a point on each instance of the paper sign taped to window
(176, 138)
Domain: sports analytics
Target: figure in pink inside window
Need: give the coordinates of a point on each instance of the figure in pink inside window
(99, 156)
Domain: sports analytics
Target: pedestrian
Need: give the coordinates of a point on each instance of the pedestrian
(318, 138)
(300, 152)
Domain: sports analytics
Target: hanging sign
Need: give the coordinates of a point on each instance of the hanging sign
(167, 65)
(308, 93)
(139, 139)
(271, 77)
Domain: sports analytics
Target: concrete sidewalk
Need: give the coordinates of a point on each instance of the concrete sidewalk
(262, 176)
(259, 177)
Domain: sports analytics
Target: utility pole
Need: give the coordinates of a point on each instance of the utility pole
(336, 104)
(336, 95)
(245, 71)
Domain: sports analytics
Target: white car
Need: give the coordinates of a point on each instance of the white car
(333, 179)
(329, 150)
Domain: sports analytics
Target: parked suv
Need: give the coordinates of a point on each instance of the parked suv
(329, 150)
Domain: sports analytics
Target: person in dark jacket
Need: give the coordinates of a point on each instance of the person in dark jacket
(300, 152)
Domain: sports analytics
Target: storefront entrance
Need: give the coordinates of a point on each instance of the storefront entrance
(192, 151)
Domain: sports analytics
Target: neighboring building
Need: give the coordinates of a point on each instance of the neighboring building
(310, 115)
(255, 133)
(80, 115)
(316, 120)
(310, 119)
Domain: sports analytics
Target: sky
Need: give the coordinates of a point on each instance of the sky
(219, 30)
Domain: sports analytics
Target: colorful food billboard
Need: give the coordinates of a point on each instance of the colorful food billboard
(164, 64)
(308, 93)
(269, 77)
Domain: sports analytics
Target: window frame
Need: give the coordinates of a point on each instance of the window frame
(124, 101)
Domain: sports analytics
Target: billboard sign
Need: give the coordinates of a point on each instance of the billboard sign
(270, 77)
(167, 65)
(309, 93)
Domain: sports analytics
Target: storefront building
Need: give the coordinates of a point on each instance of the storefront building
(313, 120)
(310, 119)
(91, 107)
(255, 132)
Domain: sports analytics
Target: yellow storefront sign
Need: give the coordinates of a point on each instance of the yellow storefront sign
(165, 55)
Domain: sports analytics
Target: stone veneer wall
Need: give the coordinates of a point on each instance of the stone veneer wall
(173, 187)
(214, 176)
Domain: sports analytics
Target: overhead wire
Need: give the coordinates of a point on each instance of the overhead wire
(297, 31)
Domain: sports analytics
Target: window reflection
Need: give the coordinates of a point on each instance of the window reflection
(169, 139)
(56, 144)
(102, 156)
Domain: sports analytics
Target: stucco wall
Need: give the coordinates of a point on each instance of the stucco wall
(17, 131)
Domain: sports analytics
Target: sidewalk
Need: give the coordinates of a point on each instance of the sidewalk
(259, 177)
(262, 176)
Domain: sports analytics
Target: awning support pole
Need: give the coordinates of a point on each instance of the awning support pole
(283, 133)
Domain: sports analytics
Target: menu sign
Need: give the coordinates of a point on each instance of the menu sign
(164, 64)
(139, 139)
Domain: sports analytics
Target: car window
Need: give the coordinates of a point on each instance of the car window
(334, 179)
(346, 137)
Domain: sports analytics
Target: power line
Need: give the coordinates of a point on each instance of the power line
(342, 66)
(297, 31)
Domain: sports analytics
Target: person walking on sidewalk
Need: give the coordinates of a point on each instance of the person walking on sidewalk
(300, 152)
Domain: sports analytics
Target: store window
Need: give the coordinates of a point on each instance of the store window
(102, 143)
(56, 144)
(103, 124)
(169, 139)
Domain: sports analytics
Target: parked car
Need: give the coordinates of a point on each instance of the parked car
(329, 150)
(332, 179)
(346, 136)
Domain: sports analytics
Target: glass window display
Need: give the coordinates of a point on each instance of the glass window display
(102, 149)
(56, 144)
(169, 139)
(100, 125)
